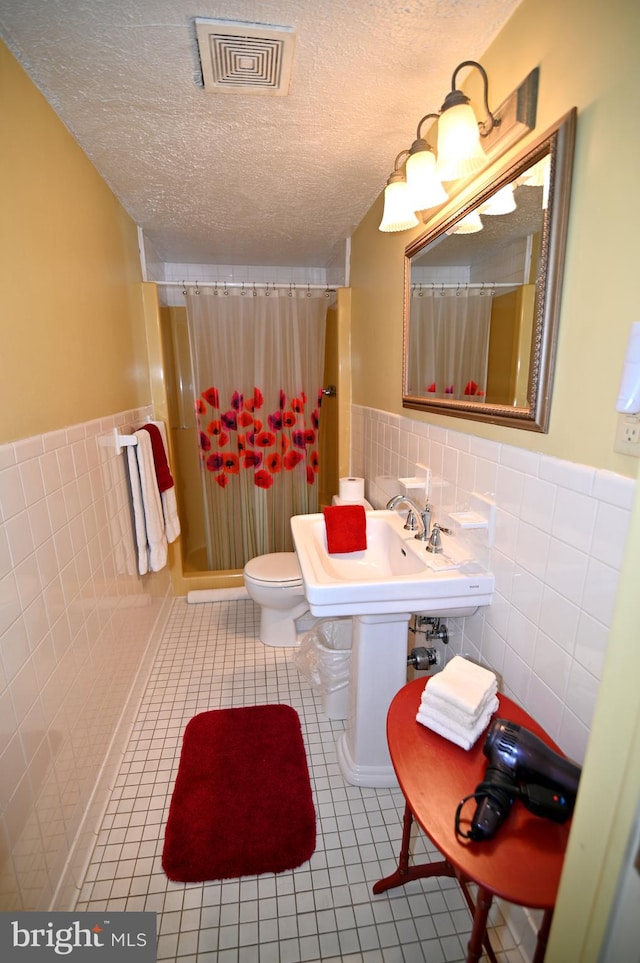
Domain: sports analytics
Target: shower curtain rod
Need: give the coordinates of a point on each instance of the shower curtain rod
(269, 285)
(462, 285)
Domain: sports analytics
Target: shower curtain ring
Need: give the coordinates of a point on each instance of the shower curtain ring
(197, 288)
(255, 293)
(184, 288)
(292, 288)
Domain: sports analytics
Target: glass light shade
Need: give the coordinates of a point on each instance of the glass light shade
(398, 214)
(460, 152)
(470, 224)
(539, 176)
(502, 202)
(423, 183)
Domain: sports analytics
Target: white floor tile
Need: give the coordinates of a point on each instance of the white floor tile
(325, 911)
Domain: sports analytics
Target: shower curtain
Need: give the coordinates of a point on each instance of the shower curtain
(449, 342)
(258, 358)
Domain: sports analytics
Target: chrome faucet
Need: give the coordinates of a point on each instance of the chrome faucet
(421, 516)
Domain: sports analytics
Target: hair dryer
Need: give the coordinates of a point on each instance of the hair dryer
(520, 766)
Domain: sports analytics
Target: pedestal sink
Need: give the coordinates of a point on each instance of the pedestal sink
(381, 588)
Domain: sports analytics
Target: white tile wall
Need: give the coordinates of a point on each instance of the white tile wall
(77, 625)
(559, 544)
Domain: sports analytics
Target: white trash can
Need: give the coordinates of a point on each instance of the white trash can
(324, 658)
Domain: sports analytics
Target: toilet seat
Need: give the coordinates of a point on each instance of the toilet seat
(280, 567)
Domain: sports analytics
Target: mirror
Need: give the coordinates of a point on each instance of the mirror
(482, 292)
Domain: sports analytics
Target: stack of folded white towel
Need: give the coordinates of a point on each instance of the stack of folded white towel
(458, 702)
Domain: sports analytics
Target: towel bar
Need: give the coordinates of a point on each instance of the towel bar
(123, 441)
(118, 440)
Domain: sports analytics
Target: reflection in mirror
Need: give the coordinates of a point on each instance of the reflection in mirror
(482, 293)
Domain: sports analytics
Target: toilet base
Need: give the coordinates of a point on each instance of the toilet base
(278, 627)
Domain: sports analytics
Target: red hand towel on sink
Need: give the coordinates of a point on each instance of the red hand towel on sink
(346, 528)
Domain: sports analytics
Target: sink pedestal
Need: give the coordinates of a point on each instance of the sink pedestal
(378, 671)
(380, 585)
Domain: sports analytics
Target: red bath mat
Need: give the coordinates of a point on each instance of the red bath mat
(242, 802)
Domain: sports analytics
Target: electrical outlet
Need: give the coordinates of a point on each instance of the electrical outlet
(631, 431)
(627, 440)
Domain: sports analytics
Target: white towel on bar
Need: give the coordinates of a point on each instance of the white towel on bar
(168, 497)
(138, 511)
(151, 539)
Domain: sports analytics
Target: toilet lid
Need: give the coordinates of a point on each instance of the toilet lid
(276, 567)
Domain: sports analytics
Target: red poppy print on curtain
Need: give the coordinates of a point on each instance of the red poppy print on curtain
(280, 441)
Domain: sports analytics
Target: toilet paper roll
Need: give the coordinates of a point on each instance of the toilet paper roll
(352, 489)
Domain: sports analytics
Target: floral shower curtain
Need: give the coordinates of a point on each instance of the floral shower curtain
(258, 358)
(449, 341)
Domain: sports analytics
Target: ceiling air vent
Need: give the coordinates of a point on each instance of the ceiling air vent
(245, 57)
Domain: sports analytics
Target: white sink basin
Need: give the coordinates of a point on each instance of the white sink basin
(394, 574)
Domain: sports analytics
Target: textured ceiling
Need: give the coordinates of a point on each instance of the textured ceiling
(242, 178)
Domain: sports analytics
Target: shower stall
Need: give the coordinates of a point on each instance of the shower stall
(191, 563)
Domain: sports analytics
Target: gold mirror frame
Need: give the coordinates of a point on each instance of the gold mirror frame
(558, 143)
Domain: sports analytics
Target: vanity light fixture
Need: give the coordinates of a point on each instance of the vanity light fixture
(399, 212)
(424, 184)
(502, 202)
(539, 176)
(460, 152)
(470, 224)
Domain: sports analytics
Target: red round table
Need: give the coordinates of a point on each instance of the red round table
(521, 863)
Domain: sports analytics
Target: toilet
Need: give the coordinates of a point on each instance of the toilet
(274, 582)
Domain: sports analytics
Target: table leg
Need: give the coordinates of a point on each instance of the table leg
(543, 936)
(479, 931)
(405, 873)
(472, 908)
(480, 909)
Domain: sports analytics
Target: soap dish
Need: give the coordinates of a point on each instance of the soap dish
(469, 519)
(413, 484)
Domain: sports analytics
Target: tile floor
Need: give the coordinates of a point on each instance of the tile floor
(323, 911)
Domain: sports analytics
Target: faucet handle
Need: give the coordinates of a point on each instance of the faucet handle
(411, 523)
(435, 542)
(445, 531)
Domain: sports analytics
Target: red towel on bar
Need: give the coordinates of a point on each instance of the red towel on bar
(346, 528)
(163, 473)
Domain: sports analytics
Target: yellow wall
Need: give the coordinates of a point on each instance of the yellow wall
(72, 330)
(587, 54)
